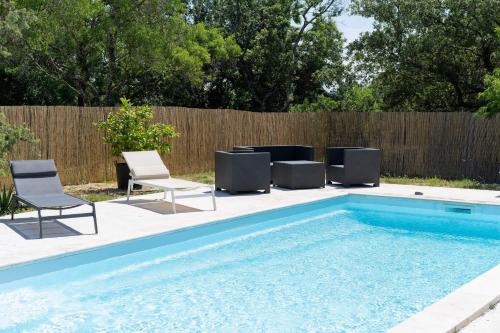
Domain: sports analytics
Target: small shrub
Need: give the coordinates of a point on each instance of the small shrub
(130, 129)
(5, 199)
(9, 137)
(491, 95)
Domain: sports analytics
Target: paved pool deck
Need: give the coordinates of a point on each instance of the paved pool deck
(147, 215)
(488, 323)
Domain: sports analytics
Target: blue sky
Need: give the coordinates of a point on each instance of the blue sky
(352, 25)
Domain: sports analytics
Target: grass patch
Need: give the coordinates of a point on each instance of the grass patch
(96, 197)
(108, 191)
(208, 178)
(202, 177)
(96, 192)
(438, 182)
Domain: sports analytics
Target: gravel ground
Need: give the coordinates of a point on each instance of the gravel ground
(100, 191)
(95, 188)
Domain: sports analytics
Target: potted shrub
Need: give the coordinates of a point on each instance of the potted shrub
(131, 129)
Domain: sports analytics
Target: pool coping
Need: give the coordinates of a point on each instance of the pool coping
(430, 198)
(448, 314)
(463, 305)
(227, 219)
(460, 307)
(457, 309)
(165, 233)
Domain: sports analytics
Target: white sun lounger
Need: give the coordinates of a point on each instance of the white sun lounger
(147, 168)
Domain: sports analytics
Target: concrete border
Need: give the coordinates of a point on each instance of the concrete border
(458, 309)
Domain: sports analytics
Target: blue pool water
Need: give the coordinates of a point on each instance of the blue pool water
(354, 264)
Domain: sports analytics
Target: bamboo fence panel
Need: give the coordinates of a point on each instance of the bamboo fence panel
(447, 145)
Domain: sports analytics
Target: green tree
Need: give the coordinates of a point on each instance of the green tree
(321, 104)
(90, 52)
(9, 137)
(427, 55)
(491, 95)
(13, 24)
(291, 51)
(355, 99)
(360, 99)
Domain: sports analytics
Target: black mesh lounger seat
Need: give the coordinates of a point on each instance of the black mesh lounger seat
(38, 186)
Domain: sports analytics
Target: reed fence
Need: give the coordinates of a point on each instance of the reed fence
(447, 145)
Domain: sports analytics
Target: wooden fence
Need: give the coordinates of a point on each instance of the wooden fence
(447, 145)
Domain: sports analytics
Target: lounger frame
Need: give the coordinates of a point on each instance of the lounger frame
(151, 183)
(17, 199)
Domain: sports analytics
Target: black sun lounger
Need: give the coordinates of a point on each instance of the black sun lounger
(38, 186)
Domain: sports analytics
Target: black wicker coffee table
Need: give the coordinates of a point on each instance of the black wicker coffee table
(298, 174)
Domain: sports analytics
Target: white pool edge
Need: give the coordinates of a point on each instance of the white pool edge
(457, 309)
(462, 306)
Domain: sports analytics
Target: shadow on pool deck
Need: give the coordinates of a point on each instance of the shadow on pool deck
(28, 228)
(158, 206)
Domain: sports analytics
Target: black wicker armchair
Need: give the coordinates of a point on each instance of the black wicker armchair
(352, 165)
(242, 171)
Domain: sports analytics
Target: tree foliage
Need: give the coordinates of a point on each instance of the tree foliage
(491, 95)
(90, 52)
(9, 137)
(427, 55)
(360, 99)
(291, 50)
(321, 104)
(258, 55)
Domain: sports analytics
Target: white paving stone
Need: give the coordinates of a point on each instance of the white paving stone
(119, 221)
(488, 323)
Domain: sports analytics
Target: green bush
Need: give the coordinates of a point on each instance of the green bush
(130, 129)
(360, 99)
(321, 104)
(491, 95)
(9, 137)
(356, 99)
(5, 199)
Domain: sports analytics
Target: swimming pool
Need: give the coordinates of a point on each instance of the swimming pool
(349, 264)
